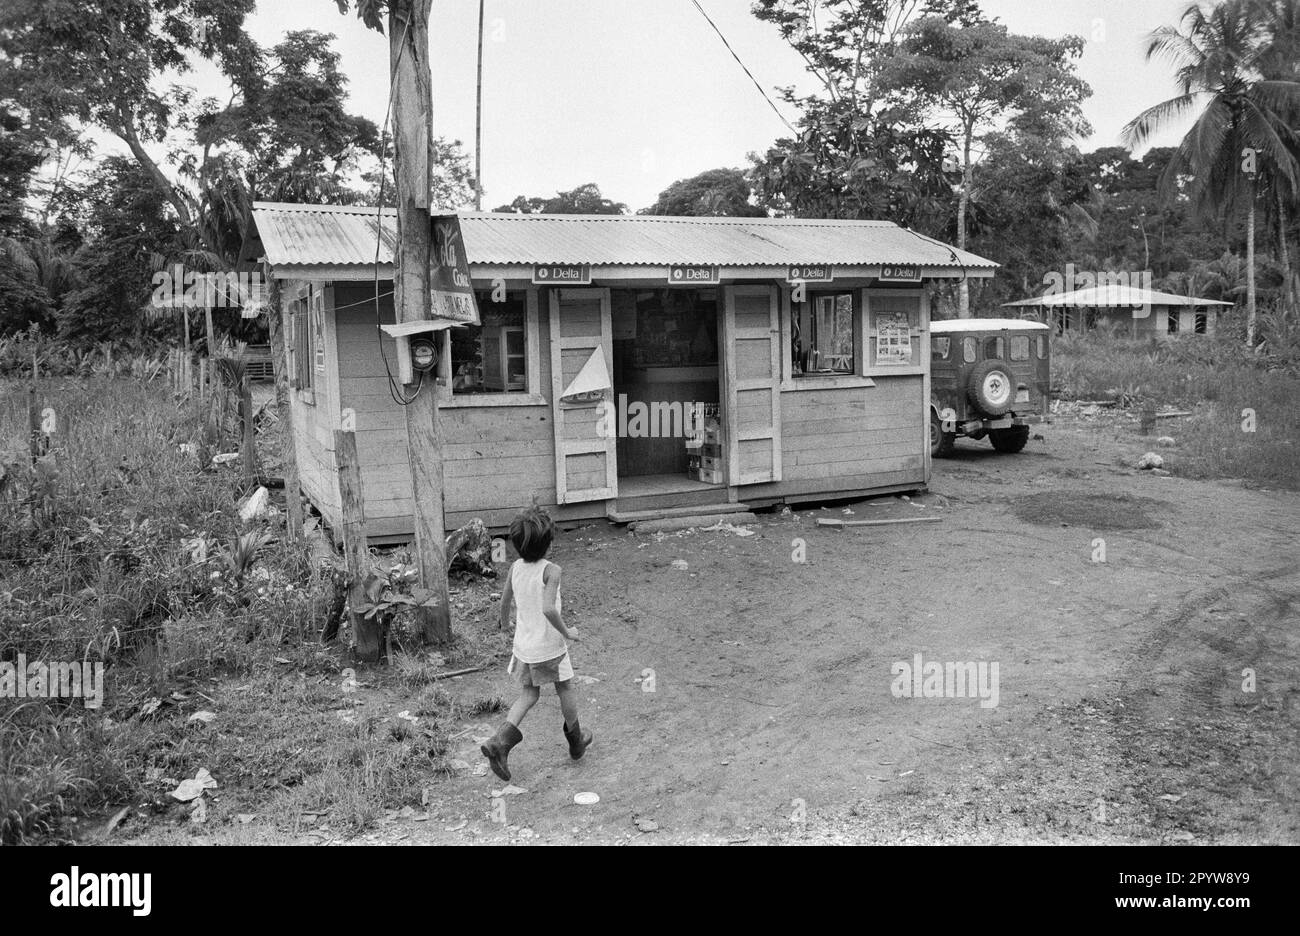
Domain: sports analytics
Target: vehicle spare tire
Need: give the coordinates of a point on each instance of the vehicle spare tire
(991, 388)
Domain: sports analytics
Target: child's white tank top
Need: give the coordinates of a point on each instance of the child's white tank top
(536, 641)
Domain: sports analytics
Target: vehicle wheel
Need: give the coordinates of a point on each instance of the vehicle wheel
(941, 442)
(1009, 441)
(991, 388)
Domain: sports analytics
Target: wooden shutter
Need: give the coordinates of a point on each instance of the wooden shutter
(585, 465)
(751, 351)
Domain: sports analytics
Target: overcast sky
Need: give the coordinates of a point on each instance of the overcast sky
(635, 94)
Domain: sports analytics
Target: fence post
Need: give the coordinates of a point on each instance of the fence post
(356, 551)
(247, 443)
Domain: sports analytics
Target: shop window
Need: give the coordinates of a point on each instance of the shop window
(492, 357)
(823, 335)
(1020, 348)
(968, 350)
(940, 345)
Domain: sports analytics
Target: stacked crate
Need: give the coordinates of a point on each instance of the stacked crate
(704, 445)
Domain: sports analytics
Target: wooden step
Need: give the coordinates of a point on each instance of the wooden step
(697, 510)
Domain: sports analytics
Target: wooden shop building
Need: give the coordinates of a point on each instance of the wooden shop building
(623, 364)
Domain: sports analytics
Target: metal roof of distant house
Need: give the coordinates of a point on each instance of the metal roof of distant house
(1114, 296)
(947, 326)
(344, 235)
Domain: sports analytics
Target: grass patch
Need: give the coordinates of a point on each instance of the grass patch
(1246, 422)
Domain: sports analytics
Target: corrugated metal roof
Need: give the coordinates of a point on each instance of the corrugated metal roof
(951, 326)
(345, 235)
(1114, 295)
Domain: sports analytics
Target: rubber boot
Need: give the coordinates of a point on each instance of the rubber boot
(497, 748)
(577, 738)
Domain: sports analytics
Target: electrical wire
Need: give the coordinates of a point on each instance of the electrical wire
(948, 247)
(399, 396)
(742, 65)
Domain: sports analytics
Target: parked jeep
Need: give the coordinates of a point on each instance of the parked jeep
(988, 377)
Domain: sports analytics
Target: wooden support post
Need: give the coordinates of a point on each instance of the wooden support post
(34, 438)
(212, 334)
(356, 552)
(408, 28)
(278, 328)
(247, 441)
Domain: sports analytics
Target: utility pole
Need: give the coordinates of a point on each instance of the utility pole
(408, 56)
(478, 119)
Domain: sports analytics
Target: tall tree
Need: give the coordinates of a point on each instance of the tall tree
(585, 199)
(715, 192)
(98, 62)
(857, 154)
(973, 75)
(1219, 55)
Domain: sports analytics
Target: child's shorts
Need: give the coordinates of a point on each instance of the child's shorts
(539, 674)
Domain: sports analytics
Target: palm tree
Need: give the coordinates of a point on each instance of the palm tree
(1220, 55)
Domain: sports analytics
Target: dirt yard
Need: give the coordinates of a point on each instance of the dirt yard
(1121, 713)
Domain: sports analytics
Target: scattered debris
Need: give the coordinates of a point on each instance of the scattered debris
(244, 818)
(721, 527)
(647, 825)
(349, 680)
(508, 790)
(586, 799)
(203, 717)
(469, 550)
(1150, 460)
(114, 822)
(836, 522)
(256, 506)
(224, 458)
(1166, 442)
(192, 789)
(681, 565)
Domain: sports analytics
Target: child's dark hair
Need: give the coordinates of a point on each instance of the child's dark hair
(530, 532)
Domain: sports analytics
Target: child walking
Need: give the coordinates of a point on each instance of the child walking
(541, 647)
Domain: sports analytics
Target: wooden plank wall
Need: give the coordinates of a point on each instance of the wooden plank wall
(850, 438)
(495, 458)
(314, 423)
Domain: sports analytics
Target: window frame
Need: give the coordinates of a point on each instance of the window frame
(918, 331)
(303, 350)
(532, 394)
(810, 304)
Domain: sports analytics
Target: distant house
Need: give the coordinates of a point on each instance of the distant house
(1143, 313)
(805, 342)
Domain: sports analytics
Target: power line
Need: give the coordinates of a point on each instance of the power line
(742, 65)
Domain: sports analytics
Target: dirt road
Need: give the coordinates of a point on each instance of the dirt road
(748, 698)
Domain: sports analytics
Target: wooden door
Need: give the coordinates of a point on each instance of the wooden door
(751, 349)
(582, 337)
